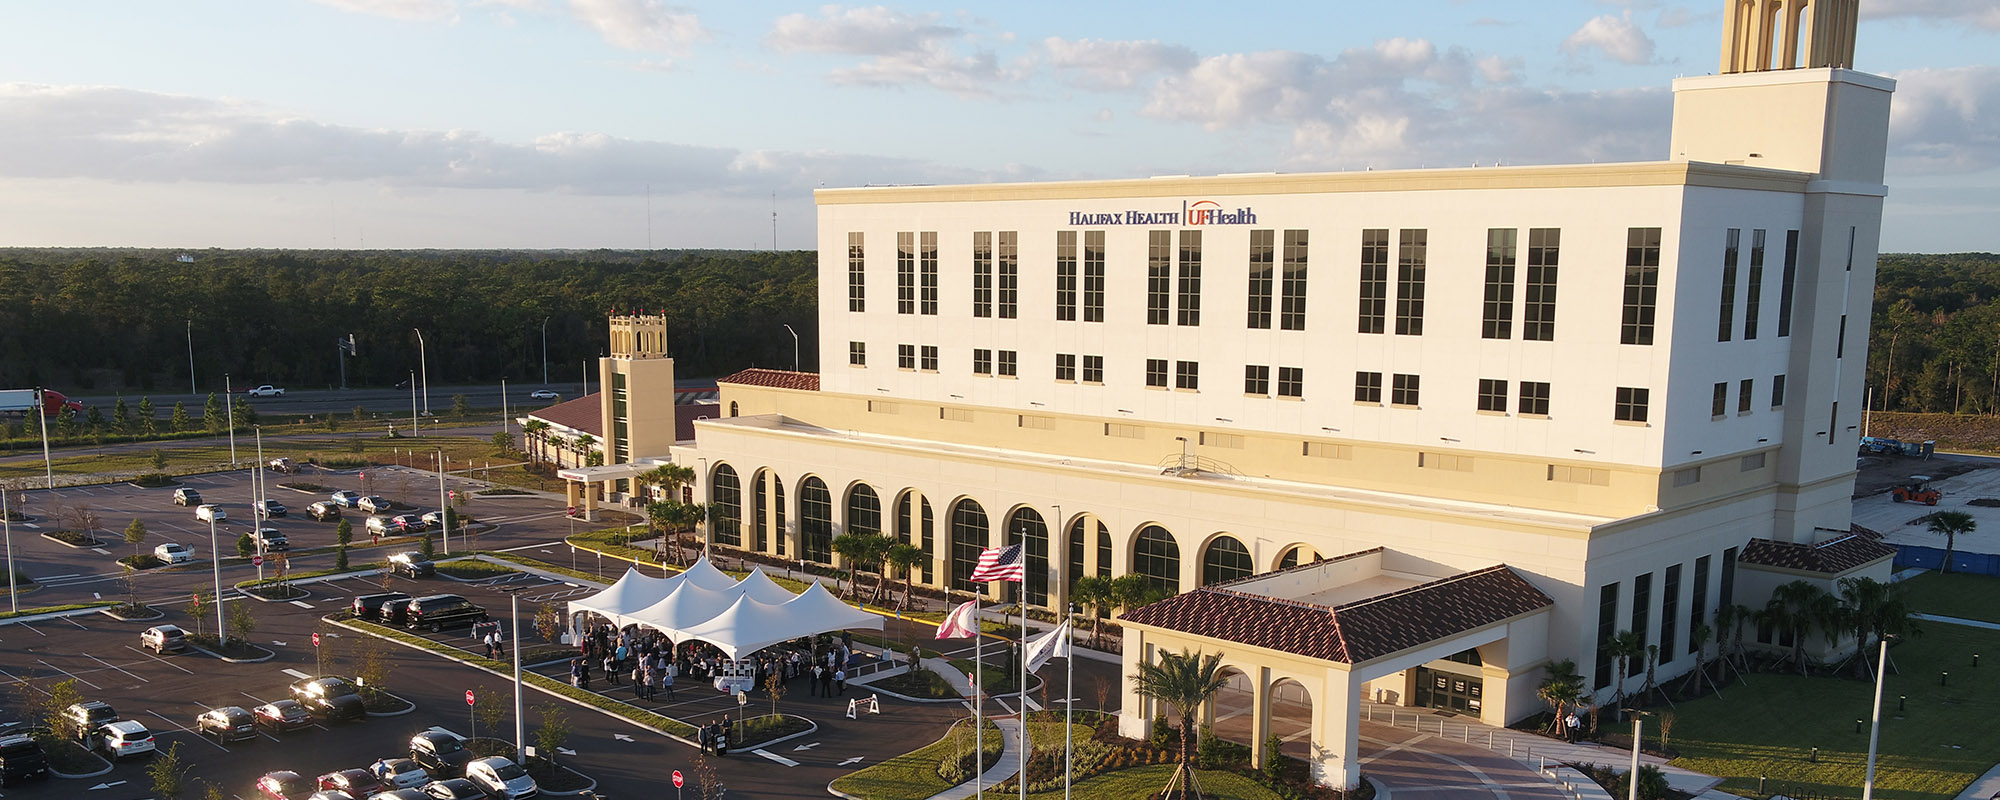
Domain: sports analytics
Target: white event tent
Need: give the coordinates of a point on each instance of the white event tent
(636, 590)
(739, 617)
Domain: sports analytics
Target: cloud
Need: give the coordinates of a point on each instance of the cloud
(647, 25)
(397, 9)
(1978, 13)
(1946, 121)
(905, 49)
(1105, 65)
(1615, 36)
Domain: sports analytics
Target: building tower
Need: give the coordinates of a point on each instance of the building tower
(637, 367)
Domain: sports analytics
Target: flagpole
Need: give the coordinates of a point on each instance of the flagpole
(978, 705)
(1069, 697)
(1021, 758)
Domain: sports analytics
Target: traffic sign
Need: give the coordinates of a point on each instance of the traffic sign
(257, 561)
(678, 779)
(315, 640)
(468, 697)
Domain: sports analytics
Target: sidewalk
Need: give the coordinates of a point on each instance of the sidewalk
(1529, 748)
(1010, 738)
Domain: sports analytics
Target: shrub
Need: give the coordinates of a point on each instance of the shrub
(1652, 784)
(245, 546)
(1274, 759)
(1163, 734)
(153, 480)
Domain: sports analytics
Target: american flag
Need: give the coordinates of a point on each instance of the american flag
(1001, 564)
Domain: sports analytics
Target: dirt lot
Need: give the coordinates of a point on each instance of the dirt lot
(1963, 433)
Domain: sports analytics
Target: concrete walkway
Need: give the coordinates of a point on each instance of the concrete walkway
(1534, 750)
(1010, 737)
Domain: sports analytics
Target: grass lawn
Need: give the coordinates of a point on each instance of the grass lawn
(208, 454)
(1936, 747)
(1137, 782)
(474, 568)
(914, 775)
(1956, 595)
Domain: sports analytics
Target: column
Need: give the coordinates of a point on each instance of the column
(1135, 718)
(571, 491)
(1337, 731)
(1260, 713)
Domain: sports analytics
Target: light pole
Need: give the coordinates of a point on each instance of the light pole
(191, 389)
(444, 520)
(42, 413)
(795, 347)
(215, 563)
(520, 730)
(258, 515)
(1875, 727)
(414, 430)
(425, 368)
(1632, 778)
(545, 351)
(229, 404)
(7, 522)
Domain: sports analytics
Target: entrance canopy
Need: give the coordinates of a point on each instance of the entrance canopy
(738, 617)
(636, 590)
(749, 625)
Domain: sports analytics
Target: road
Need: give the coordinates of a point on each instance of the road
(323, 401)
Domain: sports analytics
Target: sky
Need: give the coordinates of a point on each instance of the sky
(643, 123)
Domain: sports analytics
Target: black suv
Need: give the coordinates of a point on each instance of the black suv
(330, 698)
(20, 759)
(442, 754)
(394, 612)
(84, 717)
(439, 611)
(370, 606)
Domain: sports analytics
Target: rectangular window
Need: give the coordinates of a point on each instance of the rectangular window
(1840, 340)
(1189, 292)
(1066, 367)
(1754, 302)
(1630, 405)
(929, 360)
(1374, 279)
(1010, 274)
(1670, 609)
(1093, 276)
(1035, 423)
(927, 274)
(1093, 369)
(1534, 398)
(1262, 255)
(1123, 430)
(1410, 258)
(857, 353)
(1726, 320)
(1010, 364)
(1787, 283)
(1156, 373)
(1688, 476)
(1718, 400)
(1492, 395)
(1698, 602)
(982, 361)
(1642, 285)
(1777, 391)
(1328, 450)
(1187, 375)
(1497, 318)
(906, 272)
(857, 274)
(950, 414)
(1292, 283)
(1403, 390)
(1743, 396)
(1725, 593)
(1233, 441)
(1538, 310)
(1751, 463)
(1257, 380)
(906, 356)
(1292, 382)
(982, 274)
(1642, 607)
(1367, 387)
(1065, 276)
(1444, 461)
(1159, 276)
(1586, 475)
(1607, 628)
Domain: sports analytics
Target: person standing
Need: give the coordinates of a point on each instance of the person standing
(840, 681)
(814, 686)
(667, 682)
(610, 669)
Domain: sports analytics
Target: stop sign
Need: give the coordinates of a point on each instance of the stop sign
(468, 697)
(677, 779)
(257, 561)
(315, 640)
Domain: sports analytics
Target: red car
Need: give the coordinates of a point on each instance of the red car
(283, 715)
(355, 782)
(284, 785)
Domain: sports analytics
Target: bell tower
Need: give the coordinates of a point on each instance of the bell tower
(1750, 28)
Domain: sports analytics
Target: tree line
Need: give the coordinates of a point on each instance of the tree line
(95, 320)
(1935, 342)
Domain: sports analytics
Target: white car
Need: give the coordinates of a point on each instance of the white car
(123, 738)
(173, 553)
(373, 504)
(433, 519)
(501, 778)
(379, 526)
(345, 498)
(267, 390)
(210, 512)
(400, 773)
(543, 394)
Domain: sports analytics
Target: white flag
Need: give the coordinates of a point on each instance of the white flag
(1049, 645)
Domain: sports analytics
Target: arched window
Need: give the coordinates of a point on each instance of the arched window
(1026, 525)
(778, 512)
(1155, 556)
(762, 507)
(864, 510)
(968, 540)
(1225, 560)
(815, 522)
(1074, 538)
(1296, 556)
(725, 495)
(732, 408)
(904, 526)
(1103, 550)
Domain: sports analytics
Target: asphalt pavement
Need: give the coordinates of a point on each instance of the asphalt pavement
(322, 400)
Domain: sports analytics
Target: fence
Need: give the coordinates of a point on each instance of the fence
(1549, 761)
(1911, 556)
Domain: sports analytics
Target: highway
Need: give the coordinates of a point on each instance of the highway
(322, 401)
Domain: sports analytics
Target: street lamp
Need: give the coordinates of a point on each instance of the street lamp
(1632, 778)
(421, 365)
(545, 351)
(444, 511)
(1875, 727)
(215, 563)
(191, 389)
(795, 347)
(7, 522)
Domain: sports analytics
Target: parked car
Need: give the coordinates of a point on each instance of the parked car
(501, 778)
(330, 698)
(330, 794)
(284, 785)
(395, 611)
(345, 499)
(405, 793)
(323, 511)
(273, 540)
(173, 553)
(355, 782)
(369, 606)
(373, 504)
(227, 723)
(544, 394)
(283, 464)
(440, 753)
(120, 739)
(163, 638)
(406, 523)
(412, 563)
(21, 758)
(283, 715)
(454, 789)
(186, 497)
(210, 512)
(433, 519)
(400, 773)
(440, 611)
(271, 508)
(266, 390)
(82, 718)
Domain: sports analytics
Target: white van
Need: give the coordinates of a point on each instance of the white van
(210, 512)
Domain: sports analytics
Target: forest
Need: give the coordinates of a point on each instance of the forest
(1935, 342)
(97, 321)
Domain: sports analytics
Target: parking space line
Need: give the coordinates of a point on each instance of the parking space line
(66, 672)
(73, 622)
(296, 674)
(113, 666)
(161, 660)
(301, 604)
(30, 627)
(22, 681)
(185, 729)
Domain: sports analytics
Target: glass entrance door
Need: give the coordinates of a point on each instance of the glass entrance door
(1448, 691)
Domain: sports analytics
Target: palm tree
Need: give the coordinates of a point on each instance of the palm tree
(1095, 591)
(1698, 635)
(1800, 607)
(536, 431)
(1624, 647)
(1186, 681)
(1872, 611)
(1950, 524)
(1561, 686)
(859, 551)
(904, 558)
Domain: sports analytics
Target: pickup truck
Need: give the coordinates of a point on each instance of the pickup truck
(267, 390)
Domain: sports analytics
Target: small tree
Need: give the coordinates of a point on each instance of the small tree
(241, 622)
(130, 580)
(461, 406)
(551, 734)
(198, 607)
(340, 557)
(360, 413)
(429, 547)
(343, 534)
(1949, 524)
(1274, 757)
(54, 708)
(135, 533)
(503, 441)
(86, 519)
(775, 687)
(548, 622)
(121, 417)
(246, 415)
(210, 791)
(245, 546)
(181, 420)
(1652, 784)
(373, 667)
(490, 708)
(159, 459)
(168, 772)
(212, 416)
(331, 423)
(148, 424)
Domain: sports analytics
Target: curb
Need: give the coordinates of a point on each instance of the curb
(108, 767)
(57, 614)
(782, 739)
(73, 546)
(838, 793)
(240, 590)
(412, 707)
(156, 615)
(268, 654)
(572, 792)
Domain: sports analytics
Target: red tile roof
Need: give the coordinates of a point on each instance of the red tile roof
(1355, 632)
(685, 415)
(1831, 557)
(581, 414)
(775, 378)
